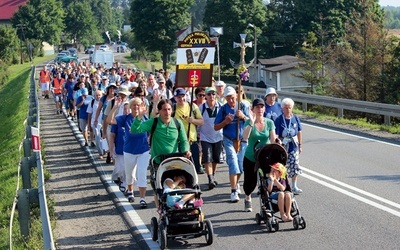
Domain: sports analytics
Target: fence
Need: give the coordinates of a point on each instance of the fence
(32, 158)
(387, 110)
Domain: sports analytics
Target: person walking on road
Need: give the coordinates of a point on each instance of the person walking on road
(210, 140)
(288, 129)
(258, 131)
(136, 150)
(273, 108)
(231, 118)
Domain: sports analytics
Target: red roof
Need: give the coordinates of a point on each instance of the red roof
(9, 7)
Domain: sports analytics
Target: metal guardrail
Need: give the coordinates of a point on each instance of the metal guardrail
(28, 195)
(387, 110)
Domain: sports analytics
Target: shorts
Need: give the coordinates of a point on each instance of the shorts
(211, 151)
(57, 98)
(233, 159)
(274, 195)
(71, 104)
(44, 86)
(83, 124)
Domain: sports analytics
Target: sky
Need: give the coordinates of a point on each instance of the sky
(395, 3)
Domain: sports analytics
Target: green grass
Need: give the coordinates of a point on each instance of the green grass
(13, 110)
(362, 123)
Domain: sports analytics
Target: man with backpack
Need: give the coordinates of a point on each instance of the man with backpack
(210, 139)
(190, 116)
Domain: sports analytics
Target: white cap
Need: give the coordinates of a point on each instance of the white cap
(271, 91)
(229, 91)
(219, 83)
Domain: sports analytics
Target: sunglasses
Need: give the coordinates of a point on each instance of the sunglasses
(201, 95)
(210, 94)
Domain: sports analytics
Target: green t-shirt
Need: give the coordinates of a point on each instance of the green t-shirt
(255, 135)
(165, 138)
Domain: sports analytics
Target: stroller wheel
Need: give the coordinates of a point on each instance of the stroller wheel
(209, 232)
(302, 222)
(296, 223)
(162, 236)
(268, 222)
(154, 228)
(258, 219)
(275, 225)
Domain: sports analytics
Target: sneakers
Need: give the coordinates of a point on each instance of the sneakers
(201, 171)
(235, 196)
(211, 185)
(92, 144)
(108, 159)
(247, 206)
(198, 203)
(143, 204)
(86, 143)
(131, 198)
(122, 187)
(238, 188)
(297, 190)
(178, 205)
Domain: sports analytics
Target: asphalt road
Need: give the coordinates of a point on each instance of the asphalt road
(350, 200)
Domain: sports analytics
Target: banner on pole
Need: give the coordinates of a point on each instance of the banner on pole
(194, 61)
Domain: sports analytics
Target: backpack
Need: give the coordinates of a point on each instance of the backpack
(203, 107)
(153, 127)
(174, 109)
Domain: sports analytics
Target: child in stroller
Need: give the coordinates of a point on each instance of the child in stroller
(274, 190)
(179, 182)
(279, 192)
(178, 194)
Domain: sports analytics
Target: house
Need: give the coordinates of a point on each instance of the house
(281, 73)
(8, 8)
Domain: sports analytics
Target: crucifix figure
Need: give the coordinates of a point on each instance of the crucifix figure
(242, 45)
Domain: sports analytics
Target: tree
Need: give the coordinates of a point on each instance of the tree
(357, 60)
(234, 16)
(105, 18)
(156, 23)
(8, 44)
(81, 24)
(44, 20)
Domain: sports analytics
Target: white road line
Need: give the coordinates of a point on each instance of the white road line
(352, 195)
(391, 203)
(356, 136)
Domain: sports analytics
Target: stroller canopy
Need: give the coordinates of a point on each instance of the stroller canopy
(176, 166)
(268, 155)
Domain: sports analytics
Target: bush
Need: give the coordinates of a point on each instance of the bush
(3, 73)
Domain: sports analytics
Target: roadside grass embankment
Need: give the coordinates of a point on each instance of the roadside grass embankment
(13, 112)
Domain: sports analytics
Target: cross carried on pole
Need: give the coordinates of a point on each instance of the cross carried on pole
(242, 45)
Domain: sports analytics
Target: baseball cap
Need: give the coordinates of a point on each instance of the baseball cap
(210, 89)
(258, 101)
(179, 92)
(219, 83)
(229, 91)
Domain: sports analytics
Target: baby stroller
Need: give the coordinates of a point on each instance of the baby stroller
(265, 157)
(174, 223)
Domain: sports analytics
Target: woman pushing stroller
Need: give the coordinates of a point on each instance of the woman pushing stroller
(280, 191)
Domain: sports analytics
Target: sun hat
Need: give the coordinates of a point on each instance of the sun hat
(104, 78)
(270, 91)
(258, 101)
(160, 79)
(111, 85)
(229, 91)
(279, 167)
(179, 91)
(124, 90)
(85, 91)
(219, 83)
(210, 89)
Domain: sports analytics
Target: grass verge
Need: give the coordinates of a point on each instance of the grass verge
(13, 110)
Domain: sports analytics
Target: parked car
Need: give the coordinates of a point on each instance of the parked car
(66, 52)
(90, 49)
(104, 47)
(58, 57)
(73, 51)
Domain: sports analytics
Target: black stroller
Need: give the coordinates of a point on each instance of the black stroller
(173, 223)
(265, 157)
